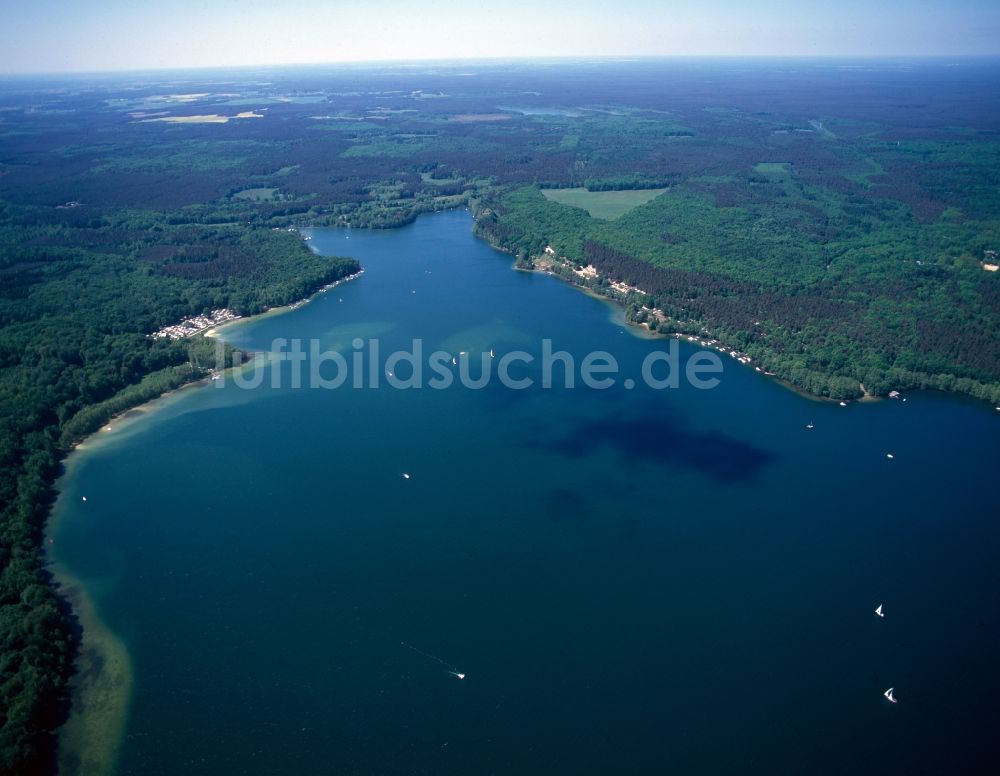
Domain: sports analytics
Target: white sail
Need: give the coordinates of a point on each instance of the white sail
(889, 696)
(878, 611)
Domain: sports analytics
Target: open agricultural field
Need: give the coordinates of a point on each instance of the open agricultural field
(607, 205)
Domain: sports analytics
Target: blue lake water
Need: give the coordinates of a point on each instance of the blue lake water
(631, 580)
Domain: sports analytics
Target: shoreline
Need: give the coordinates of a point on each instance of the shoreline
(135, 413)
(90, 740)
(560, 267)
(545, 265)
(214, 332)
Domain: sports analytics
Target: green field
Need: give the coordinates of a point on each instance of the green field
(425, 177)
(775, 169)
(607, 205)
(256, 195)
(399, 147)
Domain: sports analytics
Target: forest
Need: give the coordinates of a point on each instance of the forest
(833, 225)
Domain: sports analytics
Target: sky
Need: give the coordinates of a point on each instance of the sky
(41, 36)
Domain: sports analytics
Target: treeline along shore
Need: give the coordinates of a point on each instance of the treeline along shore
(74, 358)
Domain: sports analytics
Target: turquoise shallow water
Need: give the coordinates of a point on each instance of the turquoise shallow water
(633, 580)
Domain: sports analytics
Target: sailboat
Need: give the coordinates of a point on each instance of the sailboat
(492, 354)
(878, 611)
(454, 360)
(809, 425)
(889, 696)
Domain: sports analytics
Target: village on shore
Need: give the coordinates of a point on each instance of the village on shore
(199, 323)
(191, 326)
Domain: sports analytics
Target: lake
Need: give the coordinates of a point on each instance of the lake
(633, 580)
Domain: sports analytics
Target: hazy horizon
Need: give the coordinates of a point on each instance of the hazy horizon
(367, 64)
(53, 36)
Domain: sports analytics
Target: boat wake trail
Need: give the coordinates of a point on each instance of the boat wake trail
(448, 666)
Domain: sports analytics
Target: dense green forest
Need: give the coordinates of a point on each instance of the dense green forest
(830, 223)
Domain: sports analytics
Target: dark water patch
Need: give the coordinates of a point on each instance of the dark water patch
(655, 439)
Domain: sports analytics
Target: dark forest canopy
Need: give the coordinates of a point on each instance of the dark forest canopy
(831, 221)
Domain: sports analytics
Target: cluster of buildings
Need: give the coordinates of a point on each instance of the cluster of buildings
(743, 358)
(191, 326)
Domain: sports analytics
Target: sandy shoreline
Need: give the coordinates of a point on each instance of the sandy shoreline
(216, 331)
(139, 411)
(90, 741)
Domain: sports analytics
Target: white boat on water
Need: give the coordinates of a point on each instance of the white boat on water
(809, 425)
(889, 696)
(492, 354)
(878, 611)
